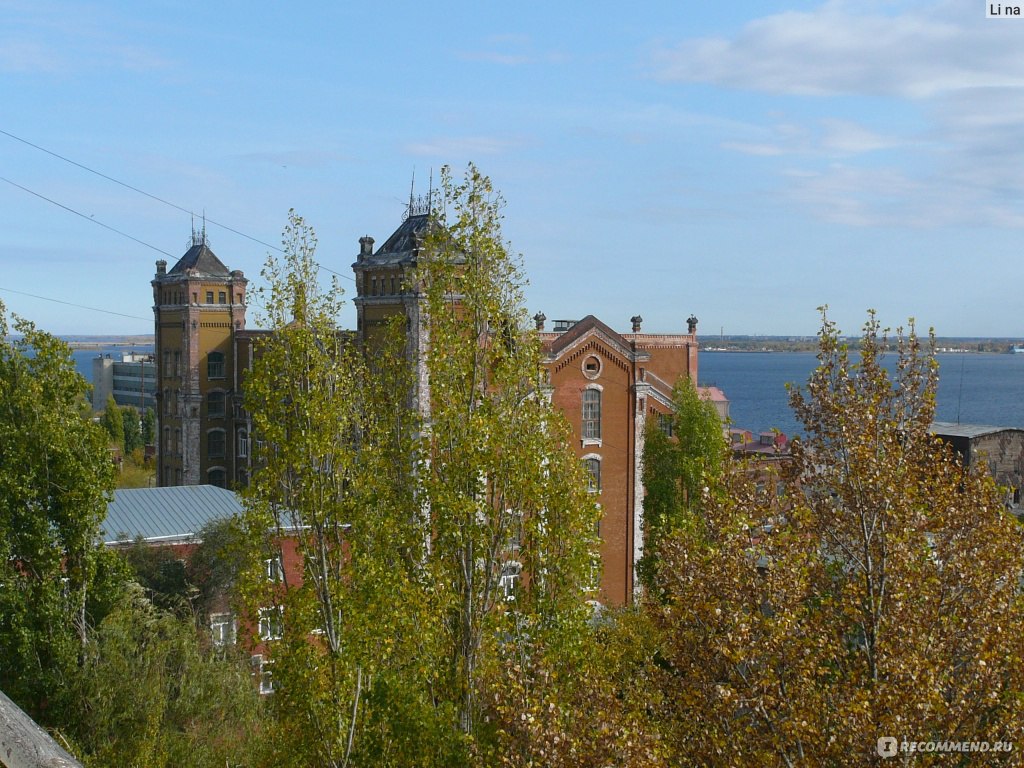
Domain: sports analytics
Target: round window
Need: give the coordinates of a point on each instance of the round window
(592, 366)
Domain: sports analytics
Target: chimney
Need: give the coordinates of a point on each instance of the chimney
(539, 319)
(691, 324)
(636, 320)
(365, 247)
(161, 267)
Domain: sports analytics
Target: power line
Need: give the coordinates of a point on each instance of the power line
(134, 189)
(72, 304)
(146, 194)
(93, 219)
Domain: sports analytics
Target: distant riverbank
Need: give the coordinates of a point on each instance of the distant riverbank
(108, 342)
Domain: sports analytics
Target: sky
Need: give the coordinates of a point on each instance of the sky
(745, 162)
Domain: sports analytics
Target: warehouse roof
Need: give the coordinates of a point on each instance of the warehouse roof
(166, 514)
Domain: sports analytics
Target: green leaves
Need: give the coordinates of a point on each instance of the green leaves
(55, 474)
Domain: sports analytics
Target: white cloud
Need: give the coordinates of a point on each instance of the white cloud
(28, 56)
(512, 51)
(466, 147)
(57, 37)
(845, 136)
(834, 50)
(758, 150)
(936, 81)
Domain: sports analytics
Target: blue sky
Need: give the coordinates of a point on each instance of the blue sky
(745, 162)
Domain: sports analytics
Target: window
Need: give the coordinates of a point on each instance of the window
(271, 624)
(167, 439)
(215, 443)
(263, 671)
(593, 465)
(167, 402)
(222, 297)
(373, 282)
(215, 365)
(243, 444)
(177, 442)
(273, 569)
(591, 414)
(215, 405)
(393, 286)
(178, 476)
(665, 424)
(592, 367)
(167, 363)
(511, 573)
(222, 629)
(217, 477)
(177, 364)
(515, 538)
(209, 297)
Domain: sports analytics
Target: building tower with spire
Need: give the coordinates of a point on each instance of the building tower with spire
(198, 308)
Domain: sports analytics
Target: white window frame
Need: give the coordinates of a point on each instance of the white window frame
(269, 628)
(223, 629)
(273, 569)
(591, 424)
(593, 481)
(264, 674)
(508, 581)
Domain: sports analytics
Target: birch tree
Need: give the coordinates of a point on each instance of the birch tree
(876, 594)
(513, 546)
(334, 457)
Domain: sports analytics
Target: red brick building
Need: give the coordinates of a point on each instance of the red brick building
(609, 384)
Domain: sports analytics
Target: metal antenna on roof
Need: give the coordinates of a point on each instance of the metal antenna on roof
(430, 193)
(412, 189)
(204, 226)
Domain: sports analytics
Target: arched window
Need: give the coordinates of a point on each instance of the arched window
(215, 443)
(593, 465)
(217, 477)
(215, 405)
(215, 365)
(591, 414)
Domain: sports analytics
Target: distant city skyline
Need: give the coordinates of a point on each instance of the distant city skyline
(744, 162)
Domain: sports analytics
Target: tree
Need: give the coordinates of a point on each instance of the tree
(505, 494)
(131, 428)
(335, 476)
(678, 463)
(148, 427)
(113, 422)
(151, 694)
(55, 477)
(877, 594)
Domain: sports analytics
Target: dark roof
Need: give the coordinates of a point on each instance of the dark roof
(579, 330)
(174, 514)
(952, 429)
(400, 248)
(201, 259)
